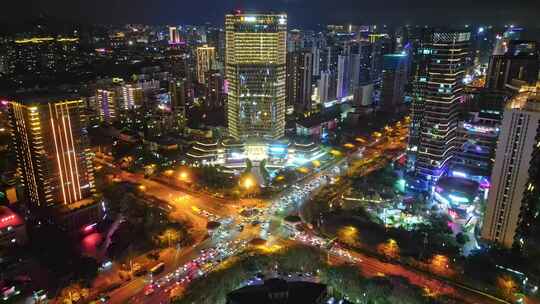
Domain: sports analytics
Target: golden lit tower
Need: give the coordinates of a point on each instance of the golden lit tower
(255, 61)
(174, 35)
(50, 141)
(206, 55)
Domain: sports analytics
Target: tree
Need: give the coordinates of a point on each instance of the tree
(59, 257)
(480, 267)
(344, 280)
(462, 238)
(73, 294)
(212, 177)
(264, 172)
(507, 286)
(285, 177)
(173, 234)
(390, 249)
(87, 269)
(249, 165)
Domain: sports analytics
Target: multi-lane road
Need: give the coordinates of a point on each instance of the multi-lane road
(199, 208)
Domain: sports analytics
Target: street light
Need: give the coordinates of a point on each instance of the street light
(390, 249)
(507, 285)
(183, 176)
(348, 234)
(248, 183)
(170, 235)
(439, 262)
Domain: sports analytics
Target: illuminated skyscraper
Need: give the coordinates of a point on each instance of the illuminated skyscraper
(107, 104)
(177, 90)
(438, 90)
(44, 55)
(174, 35)
(299, 74)
(133, 96)
(515, 177)
(206, 56)
(520, 62)
(255, 72)
(50, 141)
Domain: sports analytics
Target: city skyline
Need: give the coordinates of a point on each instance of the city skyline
(498, 12)
(254, 159)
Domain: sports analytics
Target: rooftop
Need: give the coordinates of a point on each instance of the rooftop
(41, 97)
(458, 185)
(528, 99)
(288, 293)
(318, 118)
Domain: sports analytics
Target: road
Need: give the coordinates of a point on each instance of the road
(189, 206)
(197, 209)
(373, 267)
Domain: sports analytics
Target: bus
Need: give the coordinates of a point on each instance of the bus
(157, 269)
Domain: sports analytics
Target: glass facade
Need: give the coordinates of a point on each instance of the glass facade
(255, 71)
(438, 92)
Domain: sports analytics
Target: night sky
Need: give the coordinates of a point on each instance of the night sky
(301, 12)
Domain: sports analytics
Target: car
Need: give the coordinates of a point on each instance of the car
(40, 295)
(149, 290)
(140, 272)
(103, 298)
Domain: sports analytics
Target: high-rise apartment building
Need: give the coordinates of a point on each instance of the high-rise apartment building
(363, 95)
(178, 92)
(520, 62)
(299, 74)
(316, 60)
(132, 96)
(365, 51)
(206, 56)
(107, 105)
(174, 35)
(255, 65)
(50, 141)
(295, 41)
(516, 172)
(43, 55)
(476, 142)
(381, 45)
(438, 90)
(342, 86)
(324, 86)
(216, 39)
(215, 95)
(355, 70)
(394, 79)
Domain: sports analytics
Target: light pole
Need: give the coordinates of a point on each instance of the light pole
(248, 184)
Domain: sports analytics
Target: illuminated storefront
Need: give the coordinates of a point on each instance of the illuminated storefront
(456, 195)
(232, 153)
